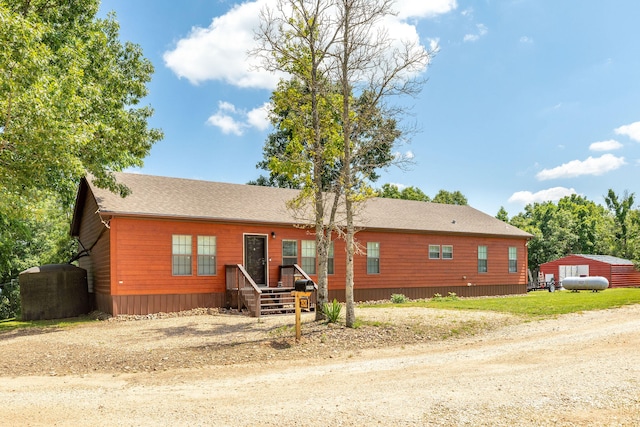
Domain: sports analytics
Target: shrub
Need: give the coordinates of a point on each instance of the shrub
(398, 298)
(451, 297)
(332, 311)
(10, 300)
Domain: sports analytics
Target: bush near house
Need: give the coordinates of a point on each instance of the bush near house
(9, 300)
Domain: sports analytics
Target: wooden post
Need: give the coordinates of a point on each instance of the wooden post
(298, 317)
(298, 296)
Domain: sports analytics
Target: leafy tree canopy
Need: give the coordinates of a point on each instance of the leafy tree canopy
(68, 97)
(69, 105)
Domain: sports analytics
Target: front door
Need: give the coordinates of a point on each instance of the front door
(255, 258)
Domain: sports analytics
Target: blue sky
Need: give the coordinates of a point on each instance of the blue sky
(526, 100)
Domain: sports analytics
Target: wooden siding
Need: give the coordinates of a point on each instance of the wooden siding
(405, 263)
(142, 254)
(94, 235)
(146, 304)
(141, 258)
(138, 252)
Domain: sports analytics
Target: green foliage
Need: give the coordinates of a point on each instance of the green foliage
(34, 232)
(10, 300)
(332, 311)
(391, 191)
(399, 298)
(502, 214)
(449, 198)
(68, 97)
(451, 297)
(573, 225)
(623, 222)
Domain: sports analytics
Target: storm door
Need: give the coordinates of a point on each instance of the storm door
(255, 258)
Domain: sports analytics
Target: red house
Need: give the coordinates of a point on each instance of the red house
(176, 244)
(619, 272)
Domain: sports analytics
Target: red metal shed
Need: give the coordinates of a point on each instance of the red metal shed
(620, 272)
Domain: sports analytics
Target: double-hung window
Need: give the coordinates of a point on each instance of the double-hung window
(447, 252)
(181, 255)
(482, 259)
(308, 256)
(206, 255)
(289, 252)
(513, 259)
(373, 257)
(434, 251)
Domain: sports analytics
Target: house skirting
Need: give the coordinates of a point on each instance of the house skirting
(148, 304)
(361, 295)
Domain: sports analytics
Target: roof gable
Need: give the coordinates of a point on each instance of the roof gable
(157, 196)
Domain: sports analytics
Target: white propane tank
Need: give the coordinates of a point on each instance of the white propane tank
(591, 283)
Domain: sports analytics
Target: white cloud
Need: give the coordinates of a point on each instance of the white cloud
(526, 40)
(470, 37)
(591, 166)
(404, 157)
(259, 117)
(632, 131)
(219, 52)
(424, 9)
(609, 145)
(231, 120)
(549, 195)
(482, 30)
(227, 124)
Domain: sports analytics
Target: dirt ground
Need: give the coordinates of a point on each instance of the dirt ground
(401, 367)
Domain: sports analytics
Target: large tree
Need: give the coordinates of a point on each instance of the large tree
(294, 37)
(68, 97)
(326, 44)
(69, 105)
(573, 225)
(368, 61)
(621, 209)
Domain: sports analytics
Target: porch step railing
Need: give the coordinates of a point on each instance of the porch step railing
(265, 300)
(248, 293)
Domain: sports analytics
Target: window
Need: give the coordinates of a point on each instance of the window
(181, 255)
(513, 259)
(330, 259)
(434, 251)
(289, 252)
(447, 252)
(373, 258)
(308, 248)
(206, 255)
(482, 259)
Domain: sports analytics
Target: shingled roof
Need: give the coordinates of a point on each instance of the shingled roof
(156, 196)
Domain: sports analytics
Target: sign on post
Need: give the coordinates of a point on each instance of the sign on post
(302, 301)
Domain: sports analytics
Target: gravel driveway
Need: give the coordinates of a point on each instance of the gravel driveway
(404, 367)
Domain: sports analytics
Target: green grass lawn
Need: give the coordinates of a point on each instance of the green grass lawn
(56, 323)
(534, 304)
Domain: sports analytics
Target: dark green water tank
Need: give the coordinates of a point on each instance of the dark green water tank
(53, 291)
